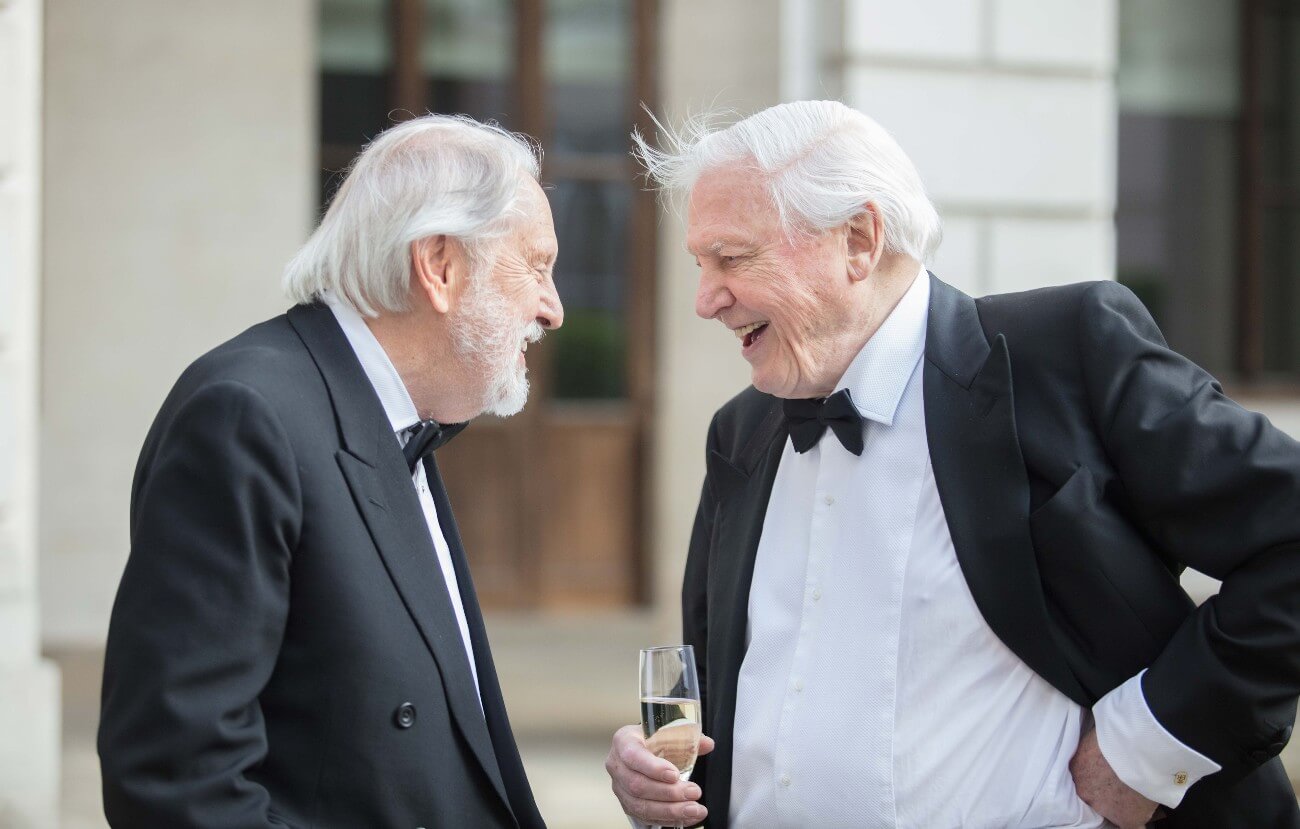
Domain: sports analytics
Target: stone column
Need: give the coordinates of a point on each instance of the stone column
(716, 55)
(29, 686)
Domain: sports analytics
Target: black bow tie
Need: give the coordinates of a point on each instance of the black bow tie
(808, 419)
(426, 436)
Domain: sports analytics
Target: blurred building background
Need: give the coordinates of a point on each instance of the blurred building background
(161, 160)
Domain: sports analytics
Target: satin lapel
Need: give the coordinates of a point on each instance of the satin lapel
(742, 487)
(980, 474)
(513, 781)
(377, 475)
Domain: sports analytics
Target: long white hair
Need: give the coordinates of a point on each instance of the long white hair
(821, 160)
(429, 176)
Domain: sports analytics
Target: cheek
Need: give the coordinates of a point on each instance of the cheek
(519, 289)
(798, 310)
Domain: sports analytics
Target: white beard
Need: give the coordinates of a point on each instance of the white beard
(490, 337)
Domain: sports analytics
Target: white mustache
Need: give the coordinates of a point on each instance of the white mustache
(534, 332)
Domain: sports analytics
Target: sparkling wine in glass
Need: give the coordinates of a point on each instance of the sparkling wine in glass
(670, 705)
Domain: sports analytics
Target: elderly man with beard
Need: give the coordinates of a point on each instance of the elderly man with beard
(933, 577)
(296, 640)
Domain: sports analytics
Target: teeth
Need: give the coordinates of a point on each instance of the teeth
(744, 330)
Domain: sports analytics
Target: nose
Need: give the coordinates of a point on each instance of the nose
(712, 297)
(550, 314)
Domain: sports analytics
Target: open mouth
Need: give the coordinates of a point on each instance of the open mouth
(750, 334)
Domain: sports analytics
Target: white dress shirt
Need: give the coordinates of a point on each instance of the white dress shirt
(872, 692)
(402, 415)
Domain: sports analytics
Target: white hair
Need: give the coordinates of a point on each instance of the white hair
(429, 176)
(822, 162)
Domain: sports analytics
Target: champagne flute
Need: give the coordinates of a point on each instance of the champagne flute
(670, 706)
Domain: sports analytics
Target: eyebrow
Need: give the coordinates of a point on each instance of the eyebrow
(545, 253)
(714, 248)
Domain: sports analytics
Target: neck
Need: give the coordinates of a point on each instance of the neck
(433, 372)
(877, 297)
(891, 279)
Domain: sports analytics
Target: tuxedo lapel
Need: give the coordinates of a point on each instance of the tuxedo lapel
(741, 486)
(980, 474)
(509, 762)
(376, 472)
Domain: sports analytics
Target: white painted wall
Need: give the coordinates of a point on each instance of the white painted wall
(29, 687)
(179, 140)
(1008, 109)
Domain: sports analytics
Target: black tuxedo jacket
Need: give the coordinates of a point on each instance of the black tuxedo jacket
(283, 650)
(1081, 464)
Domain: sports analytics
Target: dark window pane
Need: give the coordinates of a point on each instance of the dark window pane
(588, 54)
(1281, 290)
(1279, 56)
(467, 56)
(1176, 229)
(1280, 189)
(591, 222)
(355, 59)
(1176, 214)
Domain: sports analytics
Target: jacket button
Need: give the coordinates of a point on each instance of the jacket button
(1261, 755)
(404, 716)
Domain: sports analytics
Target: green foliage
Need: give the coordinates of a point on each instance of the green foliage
(591, 356)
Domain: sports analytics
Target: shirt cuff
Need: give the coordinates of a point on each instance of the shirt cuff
(1142, 753)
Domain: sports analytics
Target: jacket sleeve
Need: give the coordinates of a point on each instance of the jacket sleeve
(199, 616)
(1217, 487)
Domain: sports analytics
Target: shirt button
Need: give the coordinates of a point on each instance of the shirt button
(798, 684)
(785, 780)
(829, 500)
(817, 594)
(1181, 778)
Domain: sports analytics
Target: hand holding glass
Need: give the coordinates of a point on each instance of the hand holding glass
(670, 705)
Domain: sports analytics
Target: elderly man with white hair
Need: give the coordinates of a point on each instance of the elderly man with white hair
(296, 639)
(933, 576)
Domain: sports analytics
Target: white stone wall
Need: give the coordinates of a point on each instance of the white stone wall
(179, 147)
(719, 54)
(29, 687)
(1008, 109)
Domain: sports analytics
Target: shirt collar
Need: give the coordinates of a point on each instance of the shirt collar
(379, 369)
(878, 376)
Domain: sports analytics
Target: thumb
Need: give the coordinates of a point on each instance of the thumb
(706, 744)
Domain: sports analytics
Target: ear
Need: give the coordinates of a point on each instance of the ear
(436, 275)
(866, 242)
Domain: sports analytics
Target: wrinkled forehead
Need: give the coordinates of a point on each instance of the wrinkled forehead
(729, 206)
(535, 222)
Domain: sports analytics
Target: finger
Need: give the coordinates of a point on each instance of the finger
(641, 787)
(649, 811)
(636, 757)
(706, 744)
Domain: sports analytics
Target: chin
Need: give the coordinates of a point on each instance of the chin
(781, 388)
(509, 394)
(766, 384)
